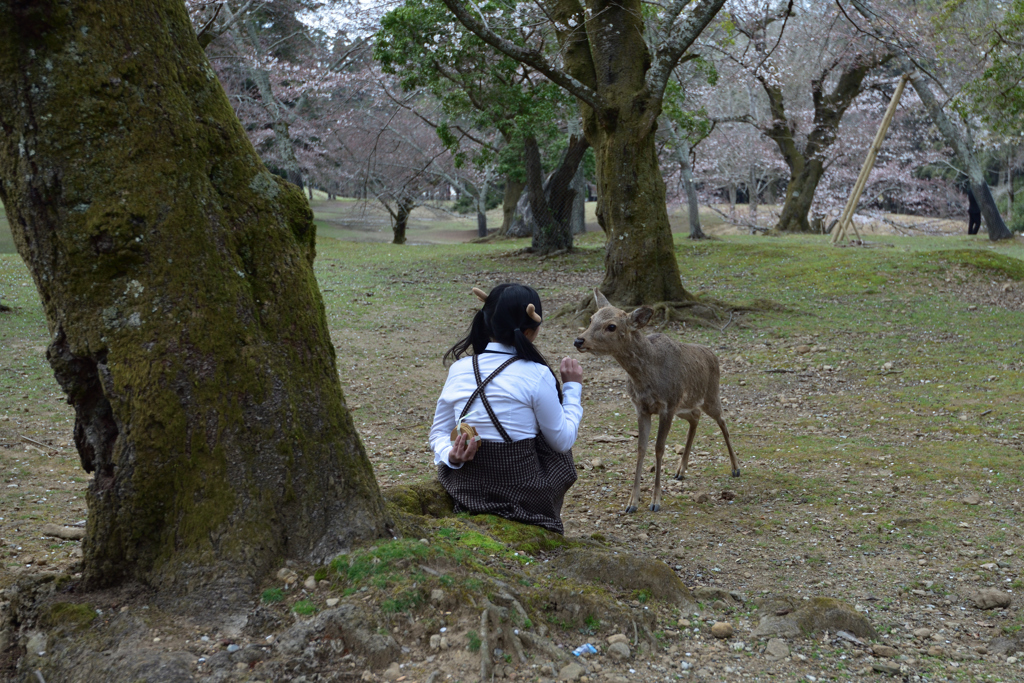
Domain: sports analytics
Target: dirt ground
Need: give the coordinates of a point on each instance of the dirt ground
(832, 500)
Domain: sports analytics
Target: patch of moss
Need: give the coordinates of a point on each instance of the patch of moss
(478, 541)
(426, 497)
(71, 615)
(304, 607)
(272, 595)
(1007, 266)
(525, 538)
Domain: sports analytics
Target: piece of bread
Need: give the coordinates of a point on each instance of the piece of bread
(466, 429)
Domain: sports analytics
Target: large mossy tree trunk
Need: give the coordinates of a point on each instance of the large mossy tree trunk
(187, 328)
(640, 260)
(613, 58)
(620, 84)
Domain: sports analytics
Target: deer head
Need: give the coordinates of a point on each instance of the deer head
(611, 329)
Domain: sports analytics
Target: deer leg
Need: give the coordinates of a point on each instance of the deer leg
(684, 459)
(664, 425)
(644, 427)
(728, 444)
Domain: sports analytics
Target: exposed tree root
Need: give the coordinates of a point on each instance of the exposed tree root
(497, 624)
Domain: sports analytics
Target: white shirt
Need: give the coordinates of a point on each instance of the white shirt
(523, 396)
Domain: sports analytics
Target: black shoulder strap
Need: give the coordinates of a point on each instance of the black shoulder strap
(480, 384)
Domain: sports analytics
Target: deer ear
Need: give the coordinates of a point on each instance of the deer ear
(600, 299)
(640, 317)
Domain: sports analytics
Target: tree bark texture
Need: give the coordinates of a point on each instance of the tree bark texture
(400, 219)
(551, 202)
(513, 190)
(963, 146)
(186, 325)
(806, 165)
(612, 58)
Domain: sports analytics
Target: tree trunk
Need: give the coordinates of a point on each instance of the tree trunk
(552, 202)
(513, 190)
(799, 197)
(187, 327)
(963, 145)
(752, 191)
(682, 149)
(731, 191)
(400, 218)
(631, 204)
(481, 203)
(578, 216)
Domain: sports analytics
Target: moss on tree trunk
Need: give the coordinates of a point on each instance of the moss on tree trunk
(612, 57)
(187, 327)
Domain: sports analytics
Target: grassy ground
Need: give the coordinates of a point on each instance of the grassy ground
(876, 413)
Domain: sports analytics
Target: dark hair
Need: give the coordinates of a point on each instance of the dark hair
(504, 319)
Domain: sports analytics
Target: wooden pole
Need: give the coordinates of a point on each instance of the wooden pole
(846, 220)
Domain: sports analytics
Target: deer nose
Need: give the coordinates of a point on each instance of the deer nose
(580, 341)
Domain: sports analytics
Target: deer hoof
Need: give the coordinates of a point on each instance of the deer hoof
(631, 508)
(655, 507)
(735, 473)
(680, 477)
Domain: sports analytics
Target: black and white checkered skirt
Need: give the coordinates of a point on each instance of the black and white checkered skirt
(524, 481)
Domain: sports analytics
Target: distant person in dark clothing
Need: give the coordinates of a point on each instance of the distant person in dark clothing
(973, 214)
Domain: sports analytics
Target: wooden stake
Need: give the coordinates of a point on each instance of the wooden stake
(846, 220)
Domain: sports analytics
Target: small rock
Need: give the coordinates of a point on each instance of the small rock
(436, 596)
(444, 643)
(597, 463)
(936, 651)
(332, 602)
(922, 632)
(738, 646)
(367, 676)
(683, 623)
(722, 629)
(393, 672)
(619, 651)
(701, 498)
(233, 648)
(972, 499)
(435, 642)
(617, 638)
(547, 670)
(68, 533)
(570, 672)
(989, 598)
(776, 649)
(885, 651)
(309, 584)
(890, 668)
(803, 348)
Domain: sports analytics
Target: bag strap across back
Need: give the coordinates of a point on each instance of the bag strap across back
(480, 384)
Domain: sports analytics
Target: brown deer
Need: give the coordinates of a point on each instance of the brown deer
(666, 379)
